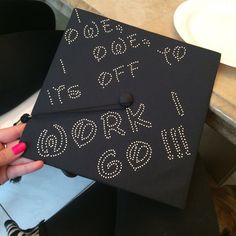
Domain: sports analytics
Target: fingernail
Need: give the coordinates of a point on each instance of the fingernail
(18, 148)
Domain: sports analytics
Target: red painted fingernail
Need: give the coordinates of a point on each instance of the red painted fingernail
(18, 148)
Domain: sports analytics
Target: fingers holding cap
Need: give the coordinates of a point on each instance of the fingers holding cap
(12, 133)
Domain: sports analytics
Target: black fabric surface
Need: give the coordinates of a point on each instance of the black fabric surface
(25, 15)
(105, 211)
(24, 56)
(24, 61)
(66, 134)
(137, 216)
(93, 213)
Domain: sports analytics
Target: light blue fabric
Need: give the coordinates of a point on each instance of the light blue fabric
(38, 196)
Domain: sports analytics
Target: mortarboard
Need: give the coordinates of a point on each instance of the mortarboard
(123, 106)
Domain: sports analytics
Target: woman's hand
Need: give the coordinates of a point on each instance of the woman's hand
(11, 166)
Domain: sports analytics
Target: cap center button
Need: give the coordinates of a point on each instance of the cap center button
(126, 100)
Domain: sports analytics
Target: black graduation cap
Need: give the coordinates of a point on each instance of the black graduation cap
(123, 106)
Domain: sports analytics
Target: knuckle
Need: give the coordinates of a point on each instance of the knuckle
(17, 131)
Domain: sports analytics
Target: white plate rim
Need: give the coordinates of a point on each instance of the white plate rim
(179, 19)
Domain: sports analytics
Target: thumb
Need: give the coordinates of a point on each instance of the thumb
(8, 155)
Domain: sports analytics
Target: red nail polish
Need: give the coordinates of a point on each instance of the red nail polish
(18, 148)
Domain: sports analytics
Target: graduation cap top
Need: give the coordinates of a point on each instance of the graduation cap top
(123, 106)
